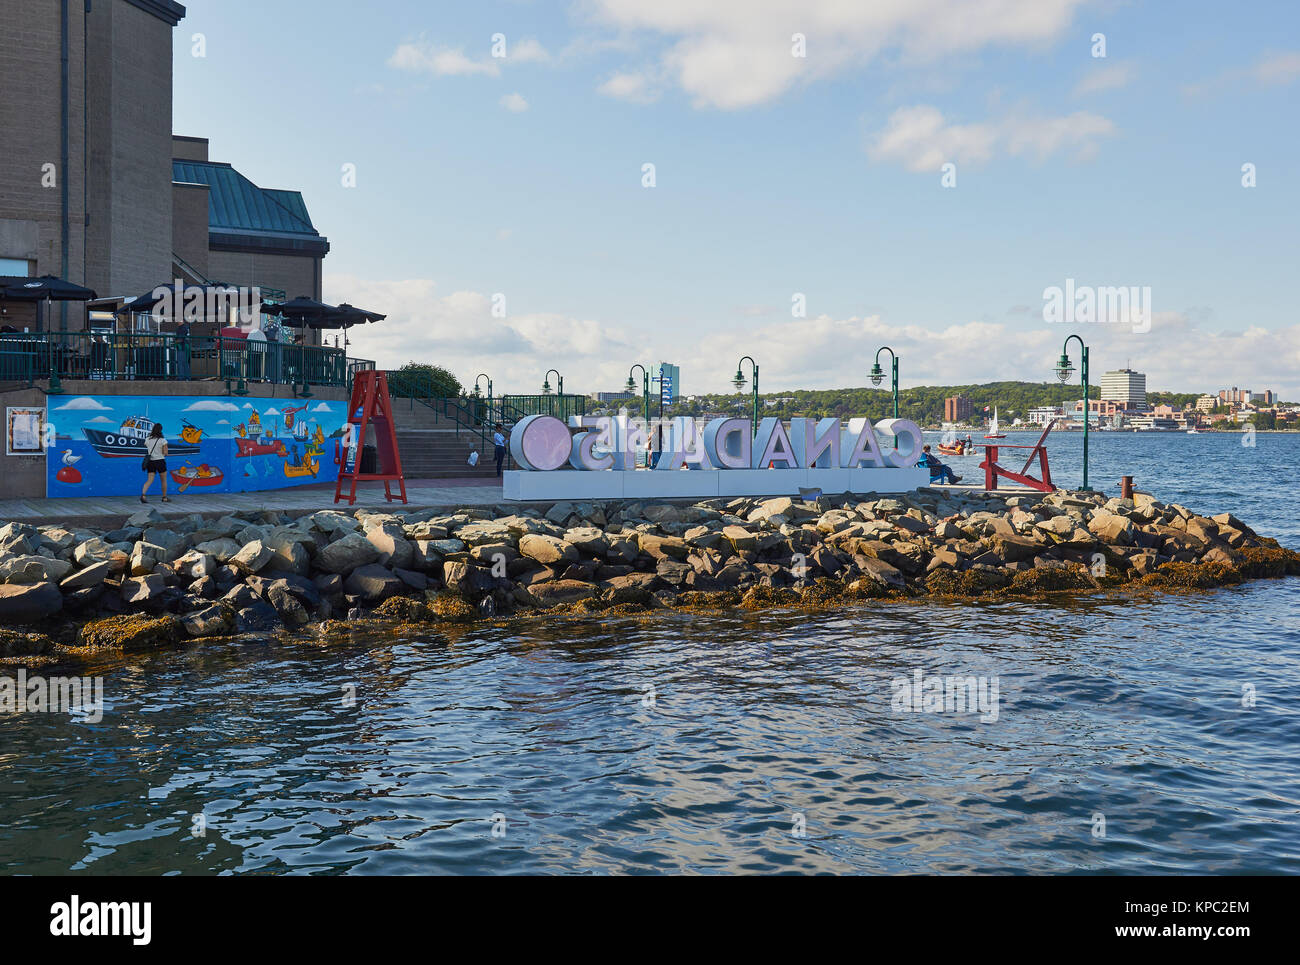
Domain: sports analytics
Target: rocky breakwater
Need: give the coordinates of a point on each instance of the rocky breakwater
(156, 581)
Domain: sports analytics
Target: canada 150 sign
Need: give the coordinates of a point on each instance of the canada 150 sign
(722, 459)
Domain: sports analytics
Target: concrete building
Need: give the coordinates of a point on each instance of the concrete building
(1206, 403)
(226, 228)
(95, 189)
(958, 408)
(1040, 415)
(85, 120)
(1126, 387)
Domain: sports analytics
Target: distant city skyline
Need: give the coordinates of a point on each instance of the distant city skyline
(787, 175)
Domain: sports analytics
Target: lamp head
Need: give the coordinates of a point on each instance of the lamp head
(546, 386)
(877, 375)
(739, 380)
(630, 387)
(1064, 368)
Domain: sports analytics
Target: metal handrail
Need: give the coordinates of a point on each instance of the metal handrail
(150, 356)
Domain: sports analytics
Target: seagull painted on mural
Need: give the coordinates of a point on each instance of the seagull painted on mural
(69, 458)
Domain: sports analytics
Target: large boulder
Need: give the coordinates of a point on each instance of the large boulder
(252, 557)
(547, 549)
(557, 592)
(142, 589)
(373, 583)
(212, 621)
(93, 575)
(223, 549)
(28, 602)
(346, 554)
(393, 546)
(740, 538)
(663, 547)
(32, 569)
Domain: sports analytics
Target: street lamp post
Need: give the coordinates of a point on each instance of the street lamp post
(1063, 370)
(878, 375)
(645, 390)
(546, 386)
(739, 383)
(479, 378)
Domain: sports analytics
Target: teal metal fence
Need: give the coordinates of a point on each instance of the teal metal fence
(27, 357)
(560, 406)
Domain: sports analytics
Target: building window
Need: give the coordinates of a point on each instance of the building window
(16, 266)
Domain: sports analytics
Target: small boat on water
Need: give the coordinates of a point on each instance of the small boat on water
(993, 427)
(957, 449)
(1193, 432)
(129, 439)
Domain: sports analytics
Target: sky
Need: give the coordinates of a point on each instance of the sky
(829, 176)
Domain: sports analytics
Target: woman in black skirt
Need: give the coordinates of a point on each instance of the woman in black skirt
(155, 461)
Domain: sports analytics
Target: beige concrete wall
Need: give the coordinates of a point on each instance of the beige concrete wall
(294, 274)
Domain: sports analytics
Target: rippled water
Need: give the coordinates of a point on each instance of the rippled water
(680, 743)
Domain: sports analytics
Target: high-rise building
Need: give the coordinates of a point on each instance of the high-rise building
(1126, 387)
(669, 379)
(957, 408)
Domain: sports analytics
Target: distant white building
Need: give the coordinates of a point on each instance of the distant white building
(1126, 386)
(1042, 414)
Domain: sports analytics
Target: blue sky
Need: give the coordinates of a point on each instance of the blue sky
(776, 175)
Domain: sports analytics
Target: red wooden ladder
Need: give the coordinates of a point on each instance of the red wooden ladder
(992, 470)
(371, 406)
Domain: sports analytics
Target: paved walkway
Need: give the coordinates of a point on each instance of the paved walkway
(111, 510)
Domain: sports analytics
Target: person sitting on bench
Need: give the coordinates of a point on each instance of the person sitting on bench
(937, 469)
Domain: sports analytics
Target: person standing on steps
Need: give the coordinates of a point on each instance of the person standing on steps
(499, 445)
(155, 461)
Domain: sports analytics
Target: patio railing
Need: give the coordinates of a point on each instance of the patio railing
(28, 357)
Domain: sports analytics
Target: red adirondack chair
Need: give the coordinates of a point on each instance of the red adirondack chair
(992, 471)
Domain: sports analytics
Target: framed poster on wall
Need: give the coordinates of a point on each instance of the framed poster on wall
(24, 430)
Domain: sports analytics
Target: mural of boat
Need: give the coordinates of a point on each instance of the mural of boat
(260, 447)
(308, 468)
(128, 441)
(204, 475)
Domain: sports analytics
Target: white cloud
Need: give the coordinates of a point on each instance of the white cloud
(1278, 68)
(527, 51)
(638, 88)
(271, 411)
(1270, 70)
(458, 331)
(422, 57)
(514, 103)
(1104, 77)
(321, 407)
(211, 405)
(99, 418)
(920, 139)
(83, 403)
(733, 54)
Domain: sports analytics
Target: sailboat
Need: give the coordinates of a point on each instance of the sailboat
(993, 427)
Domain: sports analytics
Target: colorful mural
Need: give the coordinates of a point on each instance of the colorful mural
(95, 443)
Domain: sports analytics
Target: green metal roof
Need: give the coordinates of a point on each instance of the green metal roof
(237, 205)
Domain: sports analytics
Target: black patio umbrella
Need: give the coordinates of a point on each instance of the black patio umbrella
(355, 316)
(147, 301)
(46, 288)
(304, 312)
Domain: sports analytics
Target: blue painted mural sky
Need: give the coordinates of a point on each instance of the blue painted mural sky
(216, 445)
(777, 176)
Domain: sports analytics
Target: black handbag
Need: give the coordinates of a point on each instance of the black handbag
(144, 464)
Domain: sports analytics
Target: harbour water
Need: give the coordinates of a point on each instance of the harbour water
(1152, 735)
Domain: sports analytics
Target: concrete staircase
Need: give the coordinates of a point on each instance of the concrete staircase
(436, 453)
